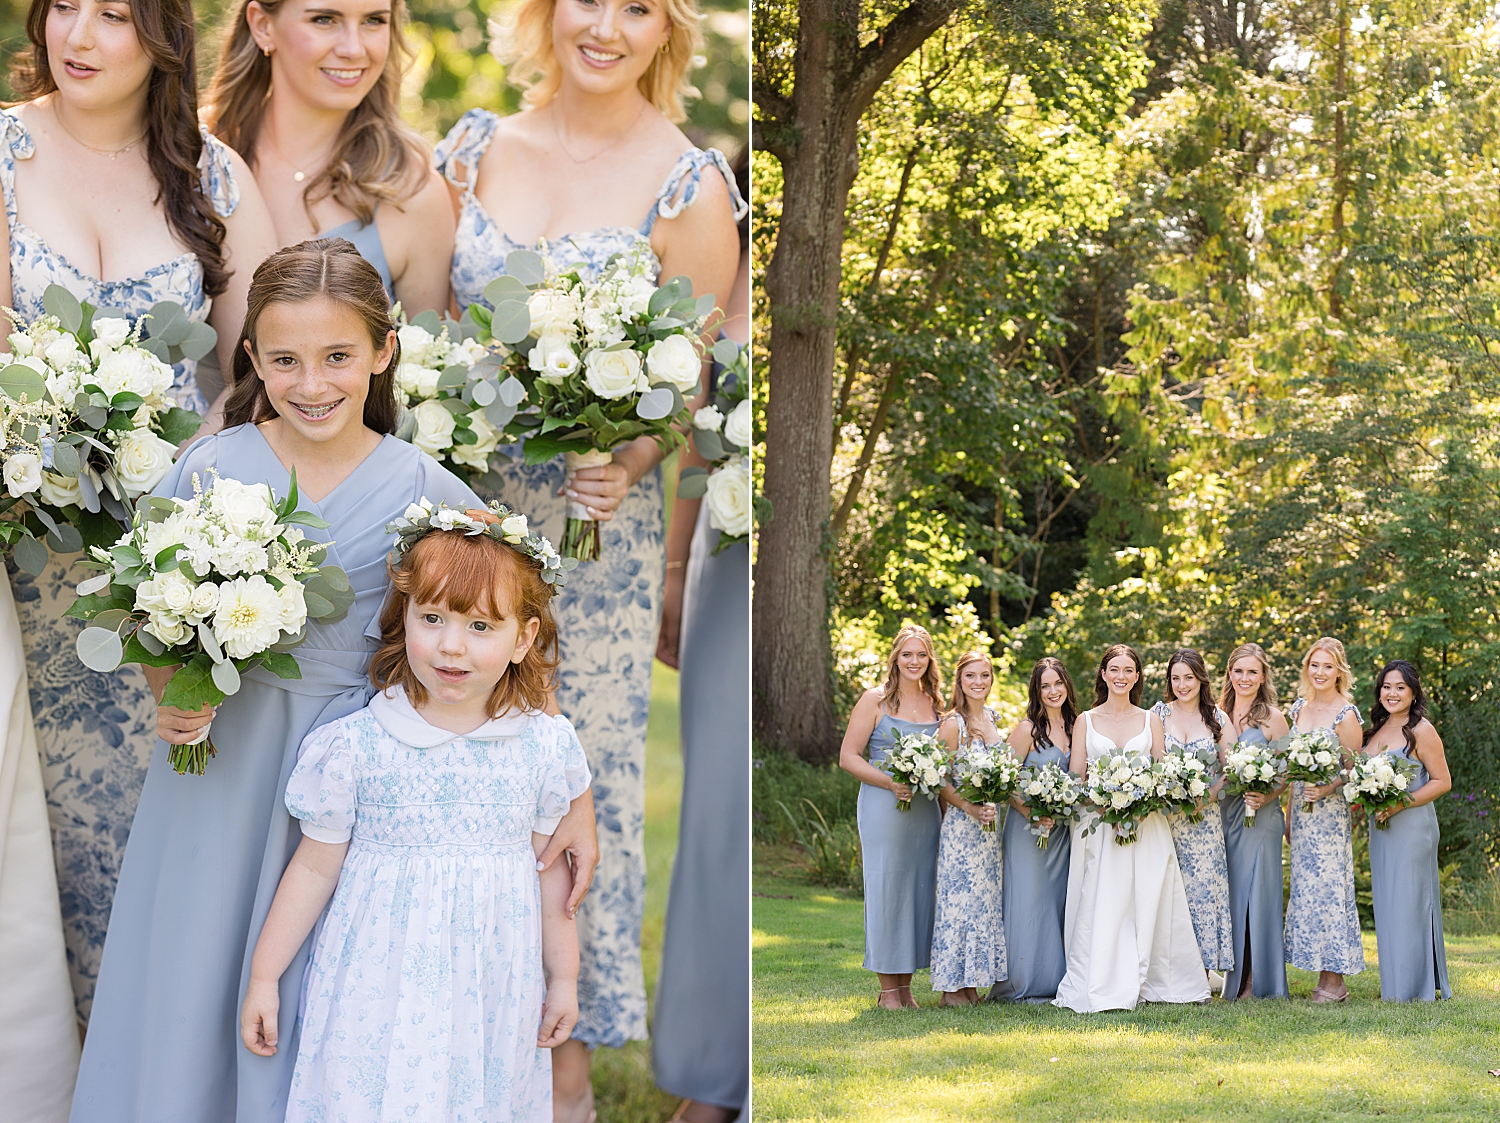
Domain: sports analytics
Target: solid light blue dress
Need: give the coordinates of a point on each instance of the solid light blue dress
(366, 239)
(609, 614)
(206, 853)
(899, 849)
(1409, 900)
(1322, 919)
(968, 932)
(1253, 858)
(1035, 897)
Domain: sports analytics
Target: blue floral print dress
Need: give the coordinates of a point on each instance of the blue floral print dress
(607, 617)
(96, 731)
(1322, 920)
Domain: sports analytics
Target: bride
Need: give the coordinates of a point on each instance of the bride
(1127, 928)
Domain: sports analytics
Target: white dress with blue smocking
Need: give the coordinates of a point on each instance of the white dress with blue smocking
(608, 615)
(96, 731)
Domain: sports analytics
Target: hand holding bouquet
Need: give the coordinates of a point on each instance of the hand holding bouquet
(1314, 757)
(917, 761)
(1123, 788)
(213, 585)
(721, 435)
(1379, 783)
(1182, 781)
(1050, 792)
(1252, 768)
(986, 774)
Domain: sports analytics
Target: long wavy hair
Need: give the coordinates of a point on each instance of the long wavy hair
(329, 267)
(378, 157)
(1101, 688)
(174, 143)
(1343, 679)
(1036, 709)
(958, 702)
(1206, 708)
(932, 678)
(1379, 715)
(521, 38)
(1265, 694)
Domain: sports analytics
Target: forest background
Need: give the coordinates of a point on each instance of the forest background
(1164, 323)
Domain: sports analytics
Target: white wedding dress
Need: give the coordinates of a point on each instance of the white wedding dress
(1127, 929)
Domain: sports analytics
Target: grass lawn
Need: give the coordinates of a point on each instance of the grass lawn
(822, 1051)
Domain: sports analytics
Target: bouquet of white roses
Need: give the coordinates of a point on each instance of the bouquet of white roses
(986, 774)
(1050, 792)
(1182, 780)
(602, 362)
(721, 435)
(1378, 783)
(1314, 757)
(85, 427)
(217, 584)
(1124, 789)
(1252, 768)
(919, 762)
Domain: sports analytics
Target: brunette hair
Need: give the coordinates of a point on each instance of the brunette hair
(932, 677)
(329, 267)
(959, 703)
(469, 573)
(1206, 708)
(1343, 679)
(1036, 709)
(1379, 715)
(174, 141)
(378, 158)
(521, 38)
(1265, 695)
(1101, 688)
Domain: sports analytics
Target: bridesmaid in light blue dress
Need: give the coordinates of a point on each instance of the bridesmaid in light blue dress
(85, 210)
(899, 848)
(1035, 889)
(1253, 853)
(1403, 853)
(1193, 724)
(1322, 919)
(968, 934)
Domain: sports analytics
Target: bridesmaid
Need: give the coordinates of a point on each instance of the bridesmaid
(1193, 724)
(595, 166)
(1403, 856)
(968, 935)
(1322, 920)
(113, 191)
(1253, 853)
(1035, 884)
(899, 847)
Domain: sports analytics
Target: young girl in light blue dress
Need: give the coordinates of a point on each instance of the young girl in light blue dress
(446, 967)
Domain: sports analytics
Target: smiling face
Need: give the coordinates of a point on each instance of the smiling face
(315, 358)
(1053, 691)
(94, 54)
(326, 53)
(1185, 684)
(976, 680)
(912, 660)
(1247, 675)
(459, 657)
(1395, 695)
(1120, 676)
(1322, 670)
(606, 46)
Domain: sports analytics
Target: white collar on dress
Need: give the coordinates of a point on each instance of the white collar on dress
(398, 717)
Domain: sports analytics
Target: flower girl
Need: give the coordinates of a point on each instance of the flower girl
(445, 967)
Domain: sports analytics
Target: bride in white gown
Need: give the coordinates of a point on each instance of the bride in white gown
(1127, 930)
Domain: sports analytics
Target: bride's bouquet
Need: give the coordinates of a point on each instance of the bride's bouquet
(85, 426)
(212, 585)
(1378, 783)
(1182, 779)
(602, 362)
(1314, 757)
(1050, 792)
(721, 435)
(1253, 768)
(918, 761)
(1123, 787)
(986, 774)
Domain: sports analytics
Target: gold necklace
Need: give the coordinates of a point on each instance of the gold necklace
(112, 153)
(298, 175)
(557, 132)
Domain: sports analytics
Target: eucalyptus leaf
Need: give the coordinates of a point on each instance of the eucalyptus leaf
(94, 584)
(45, 519)
(227, 677)
(199, 341)
(65, 539)
(210, 643)
(705, 305)
(168, 322)
(512, 391)
(111, 618)
(17, 381)
(428, 321)
(65, 460)
(526, 266)
(726, 351)
(708, 444)
(59, 302)
(692, 484)
(655, 404)
(100, 649)
(485, 392)
(30, 555)
(498, 414)
(511, 322)
(317, 607)
(88, 492)
(149, 642)
(452, 378)
(503, 288)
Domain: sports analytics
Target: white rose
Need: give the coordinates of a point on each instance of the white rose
(293, 608)
(612, 374)
(514, 527)
(20, 343)
(170, 630)
(417, 381)
(434, 428)
(142, 459)
(729, 500)
(1120, 800)
(205, 601)
(675, 360)
(111, 330)
(477, 455)
(737, 426)
(64, 353)
(552, 313)
(60, 490)
(246, 508)
(23, 473)
(176, 592)
(148, 597)
(553, 358)
(415, 343)
(249, 616)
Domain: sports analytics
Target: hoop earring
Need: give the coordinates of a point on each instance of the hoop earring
(666, 46)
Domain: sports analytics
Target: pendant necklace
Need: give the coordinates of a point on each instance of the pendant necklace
(112, 153)
(557, 132)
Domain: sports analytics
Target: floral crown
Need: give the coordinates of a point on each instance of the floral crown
(509, 528)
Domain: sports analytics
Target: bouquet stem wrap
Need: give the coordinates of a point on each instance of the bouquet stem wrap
(581, 531)
(191, 758)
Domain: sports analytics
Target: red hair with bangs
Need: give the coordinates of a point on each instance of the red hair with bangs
(470, 574)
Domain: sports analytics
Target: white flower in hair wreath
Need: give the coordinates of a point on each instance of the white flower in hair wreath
(511, 529)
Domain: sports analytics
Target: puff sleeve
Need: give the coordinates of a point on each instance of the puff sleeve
(565, 771)
(216, 175)
(320, 791)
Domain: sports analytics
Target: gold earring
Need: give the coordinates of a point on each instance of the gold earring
(666, 46)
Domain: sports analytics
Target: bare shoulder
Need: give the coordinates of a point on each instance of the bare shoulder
(1427, 735)
(517, 136)
(429, 202)
(870, 701)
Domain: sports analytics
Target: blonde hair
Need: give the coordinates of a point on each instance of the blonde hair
(1265, 695)
(378, 157)
(1343, 681)
(521, 38)
(931, 682)
(959, 701)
